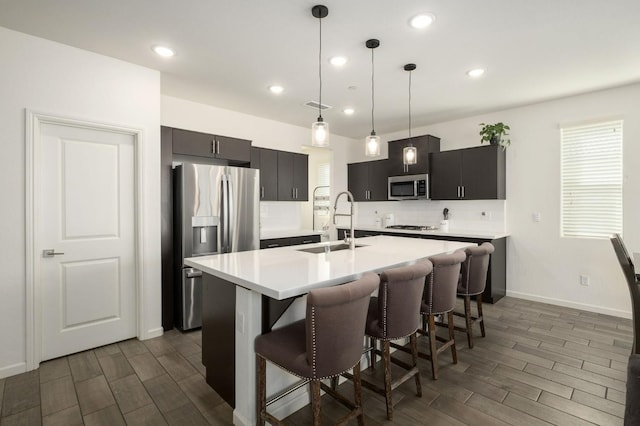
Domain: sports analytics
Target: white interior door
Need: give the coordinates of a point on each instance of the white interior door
(86, 215)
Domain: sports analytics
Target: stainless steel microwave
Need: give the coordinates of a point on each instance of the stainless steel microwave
(410, 187)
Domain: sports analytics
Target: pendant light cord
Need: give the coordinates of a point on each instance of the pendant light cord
(320, 71)
(410, 103)
(373, 104)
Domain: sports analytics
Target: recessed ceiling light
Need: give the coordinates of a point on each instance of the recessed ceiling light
(477, 72)
(338, 61)
(164, 51)
(276, 89)
(422, 20)
(348, 111)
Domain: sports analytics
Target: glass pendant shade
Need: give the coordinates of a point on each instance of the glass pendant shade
(372, 145)
(409, 155)
(320, 133)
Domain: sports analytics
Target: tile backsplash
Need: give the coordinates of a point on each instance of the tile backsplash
(480, 215)
(279, 215)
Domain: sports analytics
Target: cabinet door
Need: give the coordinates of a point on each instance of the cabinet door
(378, 180)
(301, 177)
(445, 175)
(233, 149)
(255, 157)
(285, 176)
(483, 173)
(187, 142)
(425, 145)
(358, 180)
(268, 174)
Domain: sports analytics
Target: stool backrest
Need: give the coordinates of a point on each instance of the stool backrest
(335, 325)
(474, 269)
(441, 285)
(632, 282)
(400, 298)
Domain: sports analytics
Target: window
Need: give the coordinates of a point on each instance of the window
(591, 175)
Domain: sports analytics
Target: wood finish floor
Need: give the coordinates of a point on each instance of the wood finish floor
(539, 364)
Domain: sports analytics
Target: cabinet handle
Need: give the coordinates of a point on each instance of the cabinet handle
(213, 150)
(307, 241)
(463, 195)
(293, 193)
(458, 191)
(273, 245)
(262, 192)
(296, 193)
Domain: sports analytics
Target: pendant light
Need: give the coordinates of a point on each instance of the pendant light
(410, 152)
(320, 129)
(372, 142)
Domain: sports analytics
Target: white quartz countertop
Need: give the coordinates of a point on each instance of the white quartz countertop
(462, 233)
(285, 272)
(287, 233)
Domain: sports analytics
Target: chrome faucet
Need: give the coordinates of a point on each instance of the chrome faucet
(350, 239)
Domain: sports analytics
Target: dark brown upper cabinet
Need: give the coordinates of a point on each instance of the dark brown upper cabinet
(188, 142)
(266, 160)
(293, 176)
(425, 144)
(367, 181)
(476, 173)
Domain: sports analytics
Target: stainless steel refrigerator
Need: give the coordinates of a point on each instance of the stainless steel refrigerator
(216, 210)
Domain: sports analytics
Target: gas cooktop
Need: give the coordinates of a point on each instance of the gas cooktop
(414, 227)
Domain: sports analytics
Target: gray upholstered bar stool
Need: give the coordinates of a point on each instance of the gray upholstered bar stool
(440, 298)
(325, 344)
(472, 283)
(393, 315)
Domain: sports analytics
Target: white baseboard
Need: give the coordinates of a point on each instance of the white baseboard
(239, 420)
(570, 304)
(154, 332)
(12, 370)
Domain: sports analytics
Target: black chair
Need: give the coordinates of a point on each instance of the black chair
(632, 408)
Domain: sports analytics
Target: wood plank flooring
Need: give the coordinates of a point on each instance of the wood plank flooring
(539, 364)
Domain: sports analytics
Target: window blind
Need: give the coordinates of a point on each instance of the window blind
(591, 162)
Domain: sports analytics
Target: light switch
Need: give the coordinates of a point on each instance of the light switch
(536, 217)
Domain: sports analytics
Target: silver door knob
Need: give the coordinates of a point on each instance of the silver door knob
(50, 253)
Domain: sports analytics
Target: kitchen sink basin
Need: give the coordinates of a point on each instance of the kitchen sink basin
(333, 247)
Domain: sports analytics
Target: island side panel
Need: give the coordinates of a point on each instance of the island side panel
(218, 335)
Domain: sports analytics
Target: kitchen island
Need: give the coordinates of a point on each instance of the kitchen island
(248, 293)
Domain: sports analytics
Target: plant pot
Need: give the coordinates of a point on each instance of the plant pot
(495, 139)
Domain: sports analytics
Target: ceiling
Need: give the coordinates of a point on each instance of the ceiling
(229, 52)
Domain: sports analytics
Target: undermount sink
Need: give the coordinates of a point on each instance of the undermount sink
(333, 247)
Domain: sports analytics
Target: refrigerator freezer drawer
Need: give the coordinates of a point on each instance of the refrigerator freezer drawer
(191, 306)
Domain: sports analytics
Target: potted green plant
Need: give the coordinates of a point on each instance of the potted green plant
(494, 134)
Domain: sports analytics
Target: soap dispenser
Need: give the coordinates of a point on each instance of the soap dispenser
(444, 223)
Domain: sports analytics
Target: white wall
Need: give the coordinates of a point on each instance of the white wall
(60, 80)
(540, 264)
(263, 133)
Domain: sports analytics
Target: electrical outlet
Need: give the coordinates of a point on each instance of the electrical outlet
(584, 280)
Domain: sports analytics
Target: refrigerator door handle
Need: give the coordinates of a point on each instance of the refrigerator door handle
(229, 214)
(223, 214)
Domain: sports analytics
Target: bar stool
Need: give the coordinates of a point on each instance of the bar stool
(440, 298)
(472, 283)
(325, 344)
(395, 314)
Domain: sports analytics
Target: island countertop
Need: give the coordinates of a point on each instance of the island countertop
(286, 272)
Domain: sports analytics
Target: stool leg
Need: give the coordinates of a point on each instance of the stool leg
(432, 346)
(315, 402)
(480, 316)
(357, 390)
(387, 378)
(467, 319)
(334, 382)
(373, 343)
(452, 336)
(414, 356)
(261, 389)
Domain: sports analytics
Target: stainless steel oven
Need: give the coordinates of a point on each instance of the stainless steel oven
(410, 187)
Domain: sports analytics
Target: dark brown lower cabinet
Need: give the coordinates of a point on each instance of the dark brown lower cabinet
(496, 276)
(291, 241)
